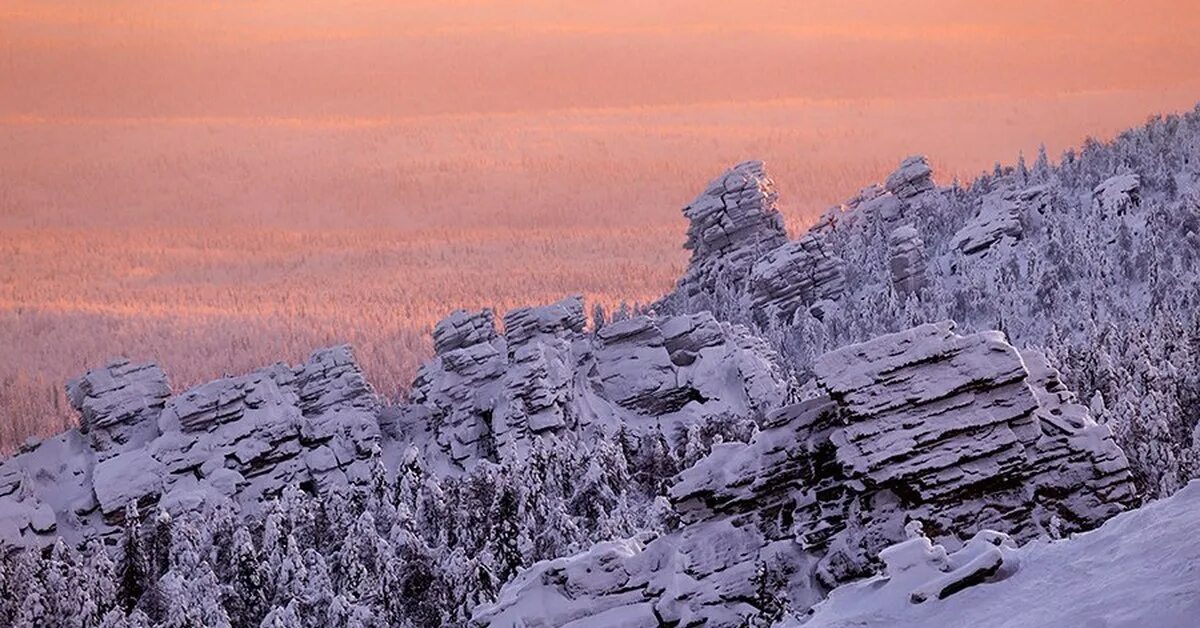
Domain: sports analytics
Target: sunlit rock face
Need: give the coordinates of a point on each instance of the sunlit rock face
(743, 263)
(488, 394)
(731, 224)
(912, 178)
(241, 438)
(961, 433)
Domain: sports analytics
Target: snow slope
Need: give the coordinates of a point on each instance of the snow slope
(1140, 569)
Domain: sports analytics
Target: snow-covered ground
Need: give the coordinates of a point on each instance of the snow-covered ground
(1140, 569)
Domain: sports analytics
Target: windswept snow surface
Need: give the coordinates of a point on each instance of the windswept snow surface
(1141, 569)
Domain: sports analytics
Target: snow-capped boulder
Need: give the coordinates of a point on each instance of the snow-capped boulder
(999, 216)
(702, 575)
(794, 276)
(906, 259)
(239, 438)
(918, 571)
(119, 403)
(546, 375)
(922, 425)
(1148, 555)
(912, 178)
(576, 588)
(1115, 195)
(731, 224)
(463, 329)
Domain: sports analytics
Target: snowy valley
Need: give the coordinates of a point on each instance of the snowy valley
(944, 404)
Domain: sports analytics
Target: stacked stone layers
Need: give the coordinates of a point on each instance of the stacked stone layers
(960, 433)
(999, 216)
(240, 438)
(794, 276)
(906, 260)
(912, 178)
(731, 224)
(118, 402)
(741, 254)
(487, 395)
(1116, 195)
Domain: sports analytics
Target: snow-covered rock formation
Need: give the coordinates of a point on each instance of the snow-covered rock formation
(733, 223)
(913, 178)
(1138, 569)
(741, 252)
(242, 438)
(1117, 194)
(1095, 260)
(487, 394)
(955, 432)
(782, 424)
(999, 216)
(907, 260)
(118, 403)
(794, 276)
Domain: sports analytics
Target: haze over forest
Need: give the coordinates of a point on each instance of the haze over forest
(219, 186)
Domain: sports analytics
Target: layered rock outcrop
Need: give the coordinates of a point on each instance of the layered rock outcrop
(959, 433)
(912, 178)
(795, 276)
(118, 403)
(906, 260)
(486, 394)
(731, 225)
(240, 438)
(742, 259)
(999, 216)
(319, 426)
(1118, 194)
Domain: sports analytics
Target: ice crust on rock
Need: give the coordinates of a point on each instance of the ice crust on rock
(917, 571)
(241, 437)
(956, 432)
(487, 396)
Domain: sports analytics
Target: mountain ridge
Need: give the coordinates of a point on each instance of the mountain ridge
(831, 357)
